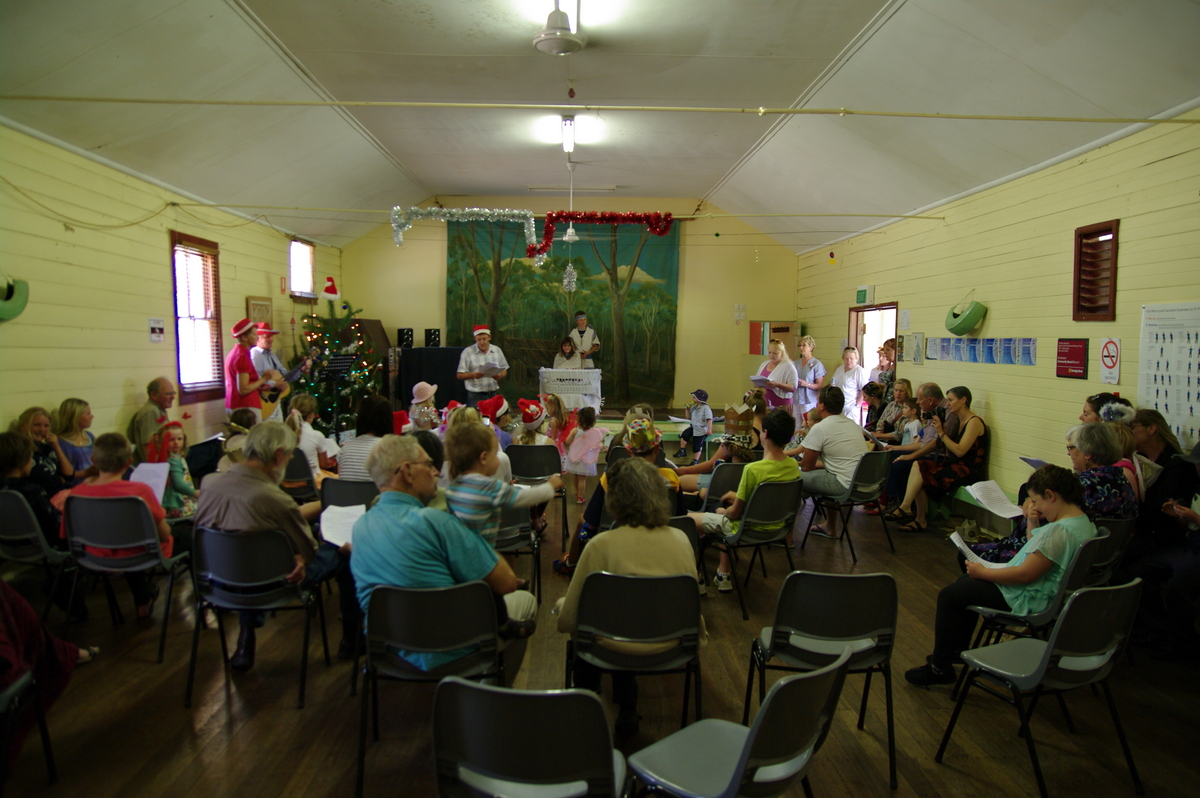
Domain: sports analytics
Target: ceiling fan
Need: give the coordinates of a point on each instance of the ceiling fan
(557, 38)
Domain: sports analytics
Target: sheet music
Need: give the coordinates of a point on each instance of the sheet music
(972, 556)
(153, 474)
(760, 382)
(1035, 462)
(993, 499)
(337, 523)
(490, 370)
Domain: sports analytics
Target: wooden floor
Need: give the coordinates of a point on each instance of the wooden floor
(121, 729)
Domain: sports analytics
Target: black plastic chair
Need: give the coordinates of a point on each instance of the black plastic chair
(347, 493)
(515, 536)
(426, 621)
(1110, 549)
(122, 522)
(247, 572)
(870, 478)
(614, 607)
(687, 526)
(725, 477)
(768, 518)
(298, 480)
(816, 618)
(21, 540)
(534, 464)
(1080, 651)
(720, 759)
(15, 700)
(493, 741)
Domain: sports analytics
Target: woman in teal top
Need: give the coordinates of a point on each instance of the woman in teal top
(1058, 526)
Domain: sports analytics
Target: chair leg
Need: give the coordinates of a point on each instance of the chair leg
(44, 730)
(316, 596)
(791, 563)
(808, 793)
(221, 633)
(375, 703)
(750, 565)
(191, 678)
(737, 587)
(687, 692)
(891, 725)
(846, 531)
(1033, 757)
(962, 677)
(886, 531)
(358, 633)
(862, 708)
(54, 590)
(70, 602)
(1062, 704)
(114, 609)
(324, 633)
(1112, 708)
(166, 613)
(362, 737)
(699, 692)
(750, 682)
(811, 517)
(962, 697)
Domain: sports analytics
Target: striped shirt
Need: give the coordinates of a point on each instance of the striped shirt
(352, 462)
(477, 501)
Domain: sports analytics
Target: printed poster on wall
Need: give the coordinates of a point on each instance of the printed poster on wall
(1169, 369)
(1072, 360)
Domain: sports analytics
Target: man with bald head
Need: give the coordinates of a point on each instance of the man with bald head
(152, 415)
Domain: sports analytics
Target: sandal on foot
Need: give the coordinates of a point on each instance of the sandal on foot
(820, 532)
(911, 526)
(87, 654)
(900, 514)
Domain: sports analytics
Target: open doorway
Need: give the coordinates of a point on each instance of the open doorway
(870, 326)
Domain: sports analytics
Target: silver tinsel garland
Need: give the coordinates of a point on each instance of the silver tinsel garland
(569, 279)
(403, 219)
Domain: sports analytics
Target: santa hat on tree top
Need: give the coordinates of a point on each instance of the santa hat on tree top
(330, 291)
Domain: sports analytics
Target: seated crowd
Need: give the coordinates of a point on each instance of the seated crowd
(444, 480)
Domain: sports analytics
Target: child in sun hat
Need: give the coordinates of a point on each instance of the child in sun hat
(423, 412)
(702, 420)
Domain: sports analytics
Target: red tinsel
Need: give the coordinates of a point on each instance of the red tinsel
(657, 223)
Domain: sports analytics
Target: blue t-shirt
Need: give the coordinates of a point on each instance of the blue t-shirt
(1058, 541)
(402, 543)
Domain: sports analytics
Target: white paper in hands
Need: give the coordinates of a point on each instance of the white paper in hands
(337, 523)
(1034, 462)
(152, 474)
(993, 499)
(759, 382)
(678, 420)
(972, 556)
(490, 370)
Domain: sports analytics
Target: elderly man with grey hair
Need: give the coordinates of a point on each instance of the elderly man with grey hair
(160, 396)
(247, 498)
(402, 543)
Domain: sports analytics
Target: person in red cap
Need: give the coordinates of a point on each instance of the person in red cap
(265, 360)
(496, 410)
(242, 380)
(480, 365)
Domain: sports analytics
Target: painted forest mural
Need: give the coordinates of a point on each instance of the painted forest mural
(627, 282)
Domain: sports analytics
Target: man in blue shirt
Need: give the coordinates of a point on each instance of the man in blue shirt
(402, 543)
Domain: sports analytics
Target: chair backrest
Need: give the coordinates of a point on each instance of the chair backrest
(790, 727)
(119, 522)
(820, 614)
(1084, 642)
(1108, 556)
(499, 741)
(534, 461)
(870, 477)
(771, 511)
(21, 538)
(613, 606)
(347, 492)
(725, 477)
(1074, 579)
(298, 468)
(242, 569)
(514, 527)
(687, 526)
(435, 620)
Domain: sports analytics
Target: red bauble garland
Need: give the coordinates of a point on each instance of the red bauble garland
(657, 223)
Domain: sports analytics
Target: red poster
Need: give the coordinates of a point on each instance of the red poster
(1072, 358)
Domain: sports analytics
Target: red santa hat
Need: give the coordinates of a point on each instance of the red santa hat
(481, 329)
(454, 403)
(493, 408)
(330, 291)
(400, 422)
(532, 414)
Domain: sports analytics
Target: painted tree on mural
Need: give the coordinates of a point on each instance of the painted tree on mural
(533, 312)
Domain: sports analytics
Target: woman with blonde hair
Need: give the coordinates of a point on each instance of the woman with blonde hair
(52, 469)
(780, 375)
(810, 378)
(851, 378)
(71, 424)
(319, 450)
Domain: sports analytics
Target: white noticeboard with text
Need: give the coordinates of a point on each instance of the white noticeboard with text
(1169, 367)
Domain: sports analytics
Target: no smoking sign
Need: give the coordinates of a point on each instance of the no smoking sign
(1110, 361)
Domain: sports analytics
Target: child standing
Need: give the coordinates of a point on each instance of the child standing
(584, 442)
(179, 496)
(702, 420)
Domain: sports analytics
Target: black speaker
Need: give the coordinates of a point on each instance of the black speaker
(433, 336)
(404, 337)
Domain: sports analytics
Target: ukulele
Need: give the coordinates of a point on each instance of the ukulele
(272, 396)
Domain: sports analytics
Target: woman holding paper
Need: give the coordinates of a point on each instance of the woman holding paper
(1026, 585)
(777, 376)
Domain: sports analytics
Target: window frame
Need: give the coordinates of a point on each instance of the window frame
(303, 296)
(212, 390)
(1087, 271)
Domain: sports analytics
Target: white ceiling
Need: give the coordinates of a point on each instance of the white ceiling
(1066, 58)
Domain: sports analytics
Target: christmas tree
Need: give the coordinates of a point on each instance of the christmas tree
(324, 337)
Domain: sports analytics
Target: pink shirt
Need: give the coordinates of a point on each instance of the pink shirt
(123, 488)
(238, 362)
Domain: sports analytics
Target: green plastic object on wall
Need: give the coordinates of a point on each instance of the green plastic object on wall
(14, 299)
(963, 323)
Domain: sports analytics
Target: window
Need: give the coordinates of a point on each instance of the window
(197, 317)
(1095, 294)
(300, 259)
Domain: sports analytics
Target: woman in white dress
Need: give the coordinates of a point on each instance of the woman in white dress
(851, 378)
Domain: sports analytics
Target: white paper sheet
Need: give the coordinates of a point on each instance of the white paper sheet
(972, 556)
(338, 522)
(678, 420)
(1034, 462)
(993, 499)
(760, 382)
(490, 370)
(153, 474)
